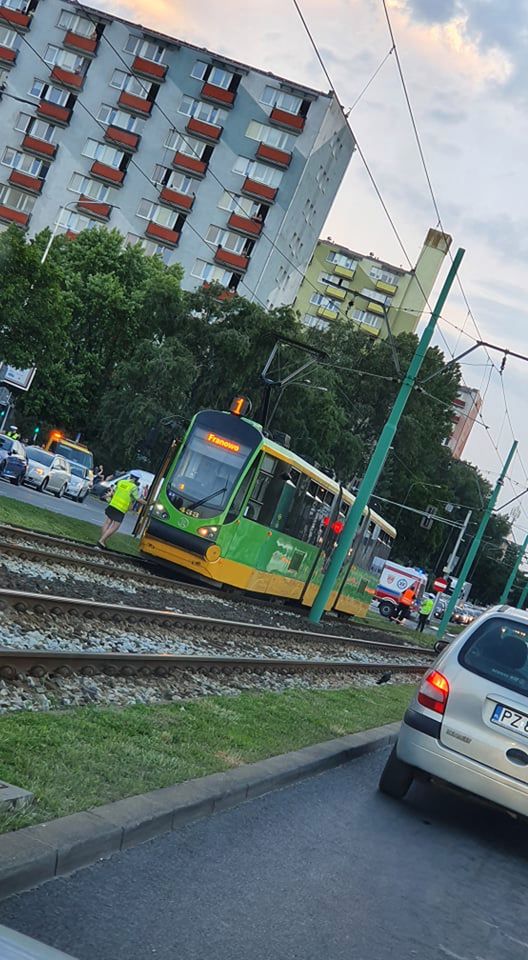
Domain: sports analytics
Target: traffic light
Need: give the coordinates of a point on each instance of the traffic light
(36, 432)
(427, 521)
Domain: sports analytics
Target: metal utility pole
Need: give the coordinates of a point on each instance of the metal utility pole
(453, 557)
(381, 450)
(472, 552)
(518, 560)
(522, 598)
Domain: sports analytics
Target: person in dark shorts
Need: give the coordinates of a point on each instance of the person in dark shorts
(125, 494)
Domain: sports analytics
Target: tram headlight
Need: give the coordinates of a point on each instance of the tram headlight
(209, 532)
(158, 510)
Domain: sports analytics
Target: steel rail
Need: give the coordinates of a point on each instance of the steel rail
(40, 603)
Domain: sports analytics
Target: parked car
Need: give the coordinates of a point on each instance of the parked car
(13, 460)
(440, 609)
(467, 725)
(460, 615)
(104, 487)
(16, 946)
(79, 482)
(47, 471)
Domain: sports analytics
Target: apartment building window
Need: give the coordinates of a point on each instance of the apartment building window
(203, 111)
(163, 216)
(229, 241)
(260, 172)
(118, 118)
(309, 211)
(39, 129)
(378, 273)
(146, 49)
(25, 163)
(321, 301)
(164, 176)
(104, 153)
(189, 146)
(16, 199)
(9, 38)
(134, 85)
(322, 179)
(79, 25)
(244, 206)
(363, 316)
(150, 247)
(332, 281)
(87, 187)
(46, 91)
(21, 5)
(341, 260)
(210, 273)
(66, 59)
(272, 136)
(76, 222)
(376, 295)
(273, 97)
(316, 323)
(215, 75)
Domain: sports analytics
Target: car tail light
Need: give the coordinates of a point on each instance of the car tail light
(434, 692)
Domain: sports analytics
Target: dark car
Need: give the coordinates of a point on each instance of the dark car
(13, 460)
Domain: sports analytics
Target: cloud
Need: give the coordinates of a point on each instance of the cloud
(448, 116)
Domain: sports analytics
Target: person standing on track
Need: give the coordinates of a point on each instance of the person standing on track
(426, 609)
(125, 494)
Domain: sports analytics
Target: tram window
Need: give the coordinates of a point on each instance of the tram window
(271, 498)
(308, 510)
(241, 493)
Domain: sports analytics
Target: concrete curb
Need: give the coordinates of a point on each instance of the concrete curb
(33, 855)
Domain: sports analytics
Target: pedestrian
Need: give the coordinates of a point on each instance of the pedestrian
(426, 610)
(99, 473)
(405, 602)
(13, 433)
(125, 494)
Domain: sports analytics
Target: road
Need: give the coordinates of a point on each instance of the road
(91, 510)
(325, 870)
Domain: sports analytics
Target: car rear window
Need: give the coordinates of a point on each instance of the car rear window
(498, 650)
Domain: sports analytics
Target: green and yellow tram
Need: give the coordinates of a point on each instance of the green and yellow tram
(233, 507)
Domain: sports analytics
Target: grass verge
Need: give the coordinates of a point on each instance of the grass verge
(56, 524)
(84, 757)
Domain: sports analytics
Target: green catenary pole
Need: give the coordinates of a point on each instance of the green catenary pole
(513, 574)
(380, 453)
(475, 545)
(522, 598)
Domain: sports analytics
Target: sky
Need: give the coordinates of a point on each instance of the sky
(466, 66)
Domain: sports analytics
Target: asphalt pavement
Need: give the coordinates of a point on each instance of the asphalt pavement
(92, 510)
(325, 870)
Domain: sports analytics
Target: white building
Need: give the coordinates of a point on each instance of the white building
(228, 170)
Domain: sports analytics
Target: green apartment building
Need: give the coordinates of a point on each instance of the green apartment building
(369, 292)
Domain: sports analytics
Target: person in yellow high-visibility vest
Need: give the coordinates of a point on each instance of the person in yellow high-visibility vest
(125, 494)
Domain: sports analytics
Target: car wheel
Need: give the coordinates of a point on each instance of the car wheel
(81, 498)
(60, 493)
(386, 608)
(43, 486)
(396, 778)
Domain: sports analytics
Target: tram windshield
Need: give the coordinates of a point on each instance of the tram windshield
(206, 472)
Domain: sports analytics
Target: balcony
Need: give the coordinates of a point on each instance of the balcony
(261, 191)
(326, 313)
(337, 293)
(246, 225)
(25, 181)
(7, 56)
(68, 78)
(13, 216)
(84, 44)
(229, 259)
(156, 232)
(280, 158)
(19, 20)
(130, 141)
(376, 308)
(368, 328)
(290, 121)
(134, 104)
(41, 148)
(191, 165)
(101, 171)
(223, 295)
(147, 68)
(101, 211)
(206, 131)
(210, 91)
(52, 111)
(389, 288)
(181, 201)
(346, 272)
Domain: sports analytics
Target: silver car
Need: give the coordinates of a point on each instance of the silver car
(468, 723)
(47, 471)
(15, 946)
(79, 483)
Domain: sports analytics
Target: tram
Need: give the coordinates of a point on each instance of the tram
(233, 507)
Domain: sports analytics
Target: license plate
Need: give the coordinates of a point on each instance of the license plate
(510, 718)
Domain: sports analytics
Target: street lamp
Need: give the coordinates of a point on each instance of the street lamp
(416, 483)
(59, 224)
